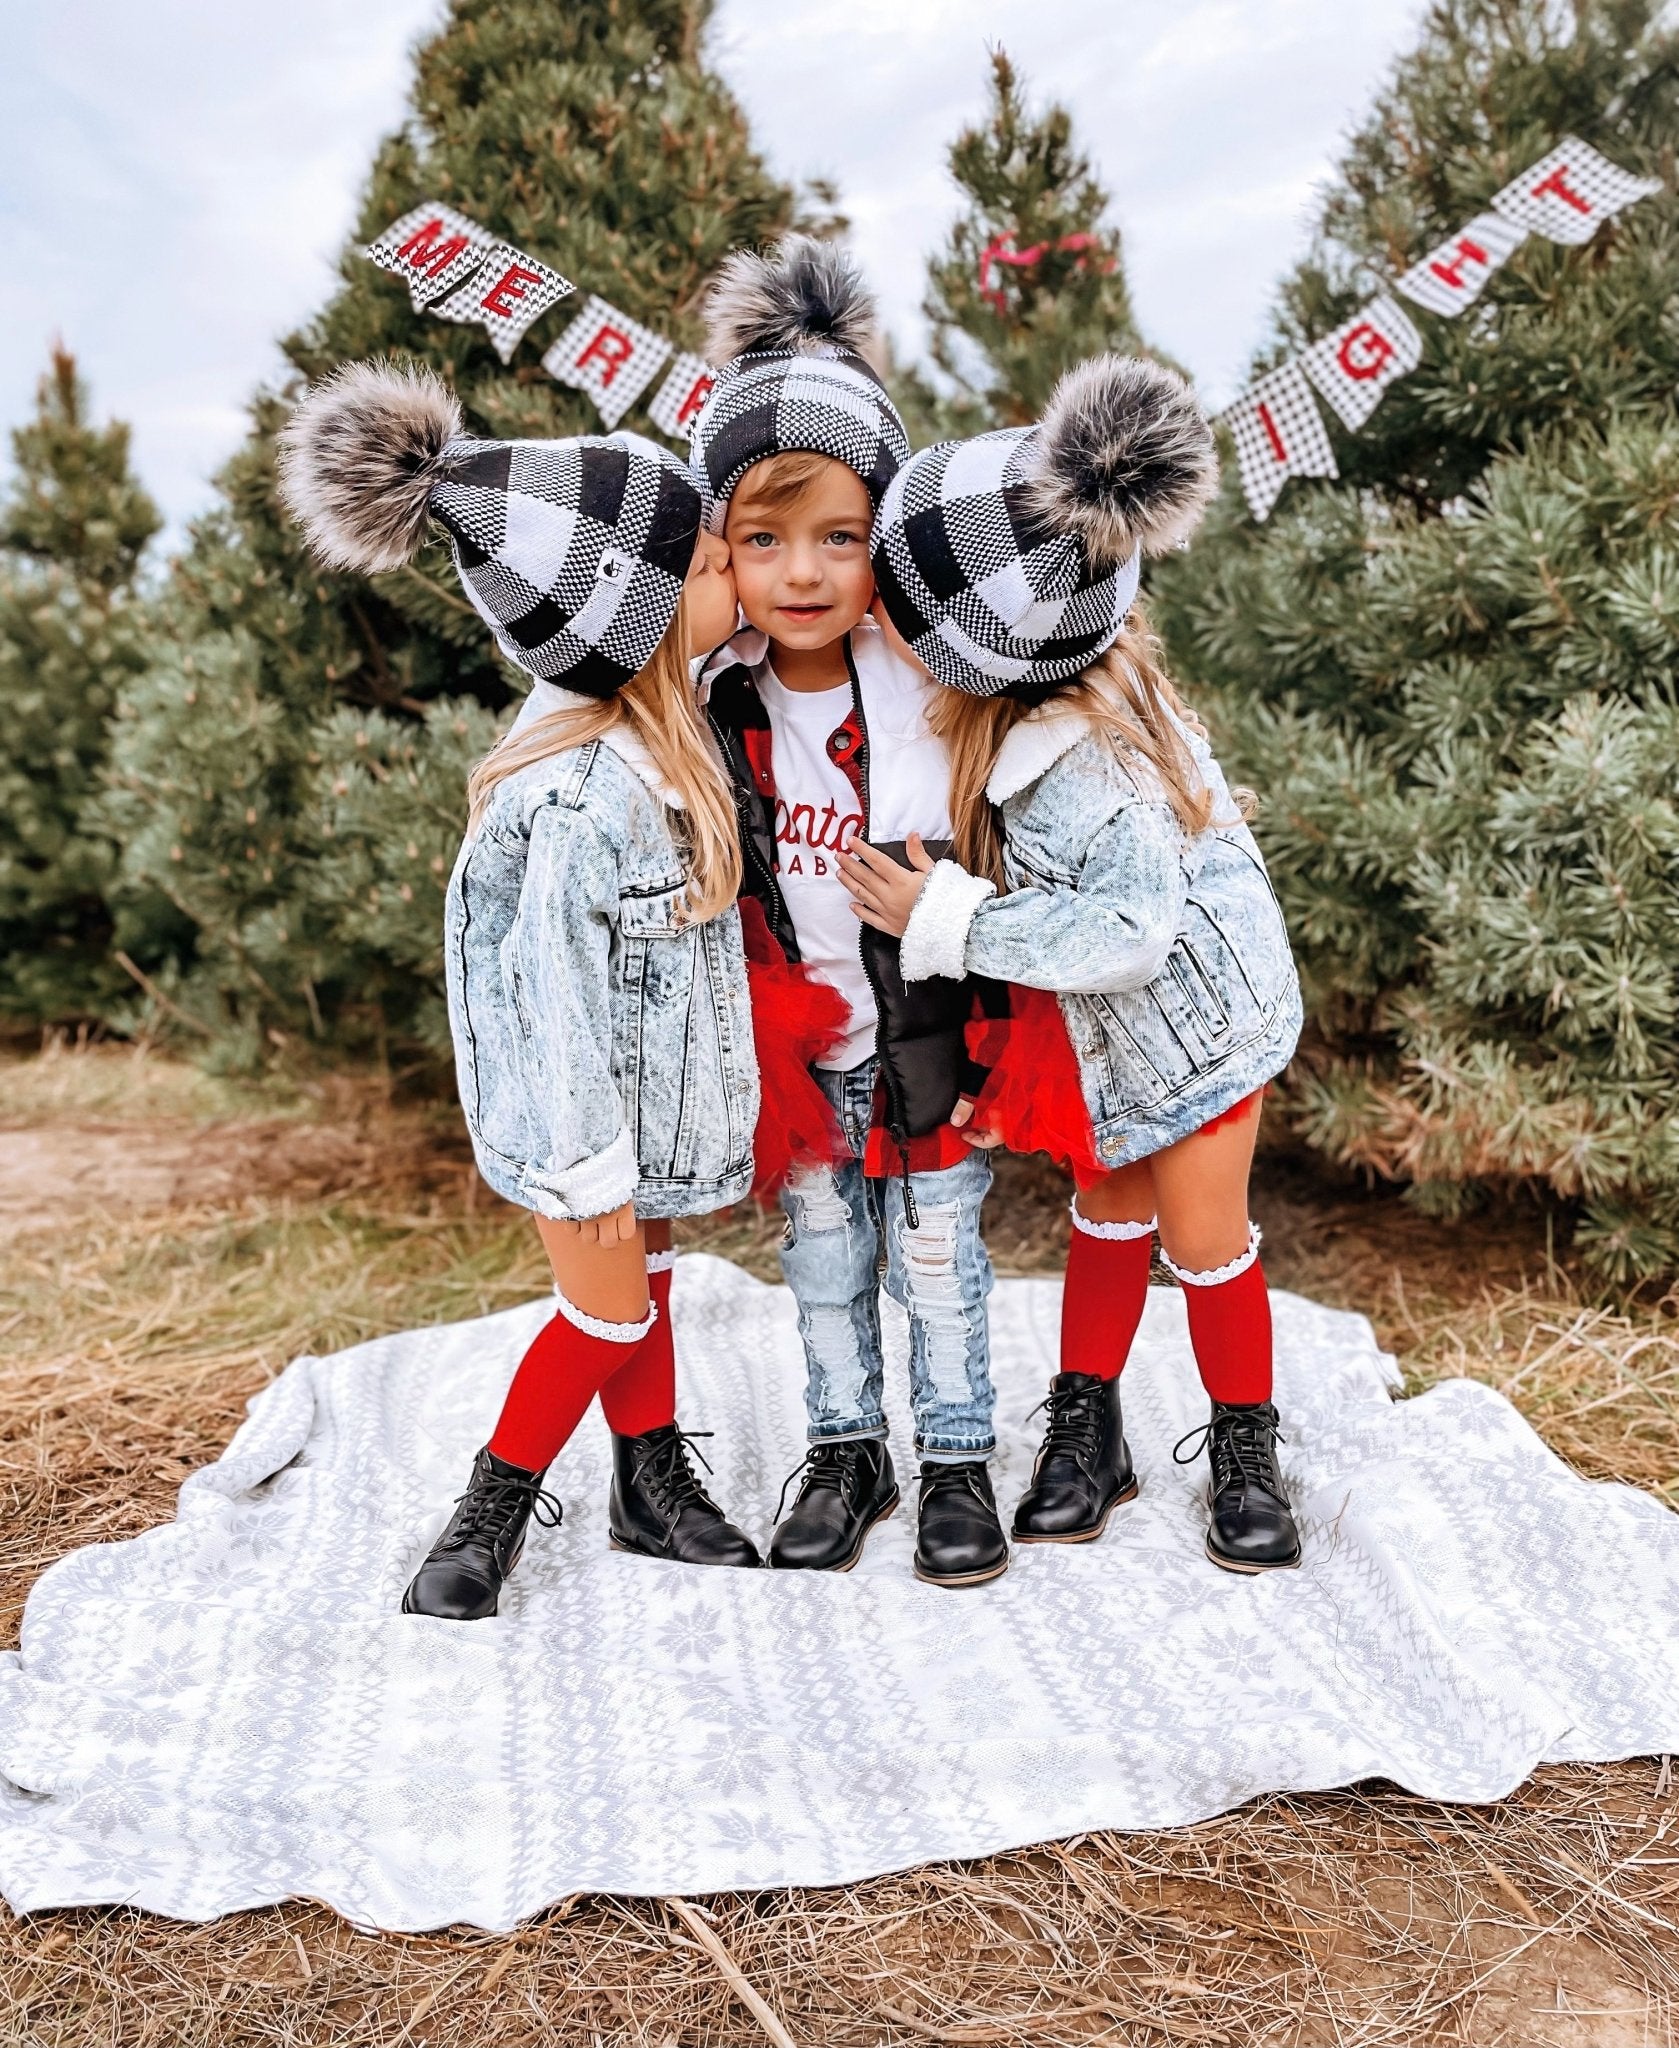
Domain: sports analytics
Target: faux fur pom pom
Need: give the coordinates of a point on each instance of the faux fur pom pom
(1126, 459)
(799, 296)
(358, 459)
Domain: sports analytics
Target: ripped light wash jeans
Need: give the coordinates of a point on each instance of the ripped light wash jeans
(940, 1274)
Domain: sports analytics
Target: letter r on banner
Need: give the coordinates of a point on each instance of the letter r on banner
(1353, 366)
(607, 354)
(681, 398)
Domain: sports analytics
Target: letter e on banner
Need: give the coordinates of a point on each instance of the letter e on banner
(1568, 195)
(1278, 433)
(1353, 366)
(681, 398)
(434, 248)
(1454, 275)
(607, 354)
(510, 291)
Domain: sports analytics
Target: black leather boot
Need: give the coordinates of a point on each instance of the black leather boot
(462, 1576)
(660, 1509)
(848, 1487)
(960, 1541)
(1251, 1529)
(1084, 1469)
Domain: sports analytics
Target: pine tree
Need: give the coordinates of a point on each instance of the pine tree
(1029, 280)
(72, 528)
(1451, 675)
(291, 769)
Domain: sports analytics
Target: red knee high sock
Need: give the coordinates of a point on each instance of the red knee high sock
(1230, 1328)
(641, 1394)
(1104, 1295)
(557, 1379)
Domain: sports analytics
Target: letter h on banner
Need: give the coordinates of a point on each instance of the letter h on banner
(1568, 195)
(1454, 275)
(1279, 433)
(1353, 366)
(608, 355)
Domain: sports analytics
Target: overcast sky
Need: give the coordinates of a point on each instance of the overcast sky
(176, 176)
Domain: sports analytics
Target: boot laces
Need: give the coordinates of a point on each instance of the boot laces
(826, 1468)
(1241, 1446)
(491, 1505)
(662, 1467)
(1075, 1421)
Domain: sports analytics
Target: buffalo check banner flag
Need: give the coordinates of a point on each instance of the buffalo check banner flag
(434, 248)
(609, 355)
(1454, 275)
(1353, 366)
(1568, 195)
(1279, 433)
(507, 293)
(679, 400)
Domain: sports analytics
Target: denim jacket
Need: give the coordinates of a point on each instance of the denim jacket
(1167, 950)
(603, 1048)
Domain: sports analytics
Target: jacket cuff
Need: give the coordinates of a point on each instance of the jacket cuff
(935, 940)
(593, 1187)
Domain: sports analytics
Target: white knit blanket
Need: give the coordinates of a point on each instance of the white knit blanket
(230, 1709)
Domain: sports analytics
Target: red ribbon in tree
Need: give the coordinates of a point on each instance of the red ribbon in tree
(1001, 249)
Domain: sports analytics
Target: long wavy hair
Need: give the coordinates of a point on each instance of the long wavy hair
(659, 708)
(1129, 699)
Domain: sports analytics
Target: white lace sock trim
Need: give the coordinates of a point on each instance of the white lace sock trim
(1217, 1276)
(661, 1262)
(598, 1326)
(1123, 1231)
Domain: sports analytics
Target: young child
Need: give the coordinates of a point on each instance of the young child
(825, 731)
(596, 979)
(1132, 888)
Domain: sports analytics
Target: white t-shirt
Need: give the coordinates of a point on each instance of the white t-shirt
(817, 813)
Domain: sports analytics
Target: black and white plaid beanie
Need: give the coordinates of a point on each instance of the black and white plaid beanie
(1009, 562)
(793, 333)
(573, 552)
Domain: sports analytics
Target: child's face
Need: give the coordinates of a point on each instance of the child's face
(708, 596)
(802, 570)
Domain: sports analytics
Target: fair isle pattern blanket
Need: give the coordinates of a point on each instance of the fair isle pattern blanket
(230, 1710)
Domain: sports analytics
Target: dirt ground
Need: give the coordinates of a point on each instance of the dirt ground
(170, 1241)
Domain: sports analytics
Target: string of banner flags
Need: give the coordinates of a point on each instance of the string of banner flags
(457, 270)
(1279, 432)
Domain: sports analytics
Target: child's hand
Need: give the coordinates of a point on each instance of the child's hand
(882, 893)
(617, 1226)
(961, 1116)
(894, 639)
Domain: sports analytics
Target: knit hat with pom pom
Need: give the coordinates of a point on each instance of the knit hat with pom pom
(574, 552)
(1009, 562)
(793, 333)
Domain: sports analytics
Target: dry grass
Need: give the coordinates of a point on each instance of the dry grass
(205, 1232)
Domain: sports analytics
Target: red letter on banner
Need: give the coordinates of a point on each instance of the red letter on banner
(1278, 449)
(1365, 352)
(1452, 273)
(612, 349)
(509, 286)
(423, 251)
(1558, 183)
(698, 393)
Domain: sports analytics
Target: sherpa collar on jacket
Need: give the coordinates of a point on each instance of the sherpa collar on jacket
(1031, 748)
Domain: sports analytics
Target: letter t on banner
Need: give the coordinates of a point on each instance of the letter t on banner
(608, 355)
(507, 295)
(1353, 366)
(681, 398)
(1278, 434)
(1568, 195)
(1454, 275)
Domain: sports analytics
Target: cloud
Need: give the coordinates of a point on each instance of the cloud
(176, 180)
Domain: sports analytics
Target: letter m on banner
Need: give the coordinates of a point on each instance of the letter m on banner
(609, 355)
(1353, 366)
(1278, 433)
(434, 247)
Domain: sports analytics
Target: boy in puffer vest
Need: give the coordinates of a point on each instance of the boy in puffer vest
(826, 735)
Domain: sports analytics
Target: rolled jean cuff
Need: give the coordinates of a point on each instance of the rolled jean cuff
(944, 1452)
(847, 1432)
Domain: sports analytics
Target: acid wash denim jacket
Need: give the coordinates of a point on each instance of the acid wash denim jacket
(603, 1047)
(1167, 950)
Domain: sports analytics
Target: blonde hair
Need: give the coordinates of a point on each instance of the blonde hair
(1129, 699)
(658, 706)
(778, 482)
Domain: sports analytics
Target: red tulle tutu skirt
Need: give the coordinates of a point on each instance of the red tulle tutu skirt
(795, 1020)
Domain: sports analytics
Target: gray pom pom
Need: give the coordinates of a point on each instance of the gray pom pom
(802, 296)
(1125, 459)
(358, 459)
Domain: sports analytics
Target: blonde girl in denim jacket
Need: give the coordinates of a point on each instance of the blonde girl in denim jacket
(596, 979)
(1100, 856)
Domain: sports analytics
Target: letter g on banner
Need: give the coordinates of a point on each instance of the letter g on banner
(1353, 366)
